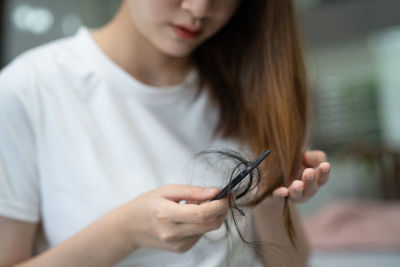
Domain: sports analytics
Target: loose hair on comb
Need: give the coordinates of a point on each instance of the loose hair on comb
(247, 188)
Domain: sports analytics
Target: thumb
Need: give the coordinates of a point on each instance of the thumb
(313, 158)
(187, 192)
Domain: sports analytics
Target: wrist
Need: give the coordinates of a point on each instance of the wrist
(118, 232)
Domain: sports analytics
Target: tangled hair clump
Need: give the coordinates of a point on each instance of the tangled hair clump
(245, 190)
(230, 163)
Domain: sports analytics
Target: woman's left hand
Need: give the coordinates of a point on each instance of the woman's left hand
(314, 173)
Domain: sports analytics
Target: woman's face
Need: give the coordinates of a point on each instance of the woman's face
(177, 27)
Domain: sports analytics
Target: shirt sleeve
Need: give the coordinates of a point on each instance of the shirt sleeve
(19, 194)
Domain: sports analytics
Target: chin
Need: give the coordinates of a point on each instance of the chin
(178, 51)
(180, 54)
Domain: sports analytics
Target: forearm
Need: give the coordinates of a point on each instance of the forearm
(276, 248)
(100, 244)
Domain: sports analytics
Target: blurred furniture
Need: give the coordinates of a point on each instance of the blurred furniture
(363, 225)
(329, 22)
(355, 259)
(384, 163)
(345, 113)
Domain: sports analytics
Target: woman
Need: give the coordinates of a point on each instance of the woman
(95, 130)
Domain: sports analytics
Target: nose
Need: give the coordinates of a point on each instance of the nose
(199, 9)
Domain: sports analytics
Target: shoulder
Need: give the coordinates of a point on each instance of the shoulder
(46, 62)
(40, 72)
(47, 67)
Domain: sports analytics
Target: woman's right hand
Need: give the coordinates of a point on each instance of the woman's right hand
(155, 219)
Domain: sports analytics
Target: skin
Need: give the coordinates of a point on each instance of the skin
(313, 174)
(145, 46)
(269, 222)
(154, 219)
(108, 240)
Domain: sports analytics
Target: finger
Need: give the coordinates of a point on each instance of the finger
(193, 229)
(187, 192)
(184, 244)
(300, 171)
(310, 183)
(192, 213)
(193, 202)
(313, 158)
(323, 173)
(280, 192)
(296, 190)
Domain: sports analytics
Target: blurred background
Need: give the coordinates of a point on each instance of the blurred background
(352, 50)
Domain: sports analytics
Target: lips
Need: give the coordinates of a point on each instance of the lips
(187, 32)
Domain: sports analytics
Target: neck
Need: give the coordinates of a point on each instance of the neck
(121, 41)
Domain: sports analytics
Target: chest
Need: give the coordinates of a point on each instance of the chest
(94, 156)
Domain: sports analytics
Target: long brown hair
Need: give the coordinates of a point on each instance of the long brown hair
(255, 72)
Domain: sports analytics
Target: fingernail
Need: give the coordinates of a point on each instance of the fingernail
(310, 178)
(326, 169)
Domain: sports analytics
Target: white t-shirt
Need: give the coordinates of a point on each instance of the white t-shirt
(79, 137)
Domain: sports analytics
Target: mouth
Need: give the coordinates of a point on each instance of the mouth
(187, 32)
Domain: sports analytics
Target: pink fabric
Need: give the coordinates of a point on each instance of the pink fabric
(356, 226)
